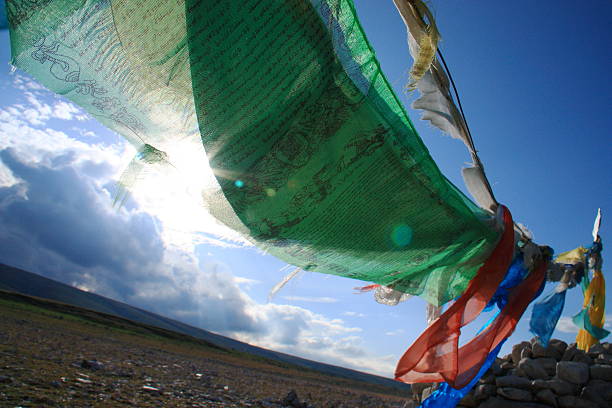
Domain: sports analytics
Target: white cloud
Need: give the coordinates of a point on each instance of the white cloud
(24, 83)
(299, 331)
(395, 332)
(40, 146)
(67, 111)
(174, 193)
(56, 219)
(239, 280)
(565, 324)
(312, 299)
(122, 255)
(38, 112)
(81, 287)
(246, 283)
(353, 314)
(84, 132)
(7, 179)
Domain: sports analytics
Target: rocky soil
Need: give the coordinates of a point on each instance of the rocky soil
(49, 358)
(532, 376)
(60, 356)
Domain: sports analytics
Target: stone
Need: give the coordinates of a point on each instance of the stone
(495, 402)
(599, 392)
(601, 372)
(93, 365)
(507, 365)
(570, 352)
(562, 387)
(513, 381)
(517, 372)
(556, 348)
(152, 390)
(533, 369)
(540, 384)
(271, 402)
(44, 401)
(484, 391)
(488, 378)
(572, 371)
(496, 368)
(517, 350)
(291, 400)
(549, 364)
(604, 358)
(583, 358)
(602, 387)
(469, 401)
(595, 349)
(515, 394)
(547, 396)
(210, 398)
(526, 353)
(557, 344)
(537, 350)
(569, 401)
(5, 379)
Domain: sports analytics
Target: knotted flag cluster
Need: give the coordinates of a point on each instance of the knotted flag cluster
(315, 158)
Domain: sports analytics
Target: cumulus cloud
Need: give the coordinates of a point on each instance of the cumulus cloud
(38, 112)
(241, 280)
(55, 216)
(299, 331)
(40, 145)
(565, 324)
(246, 283)
(24, 83)
(353, 314)
(88, 134)
(312, 299)
(67, 111)
(56, 219)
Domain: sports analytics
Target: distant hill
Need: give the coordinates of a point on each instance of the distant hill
(20, 281)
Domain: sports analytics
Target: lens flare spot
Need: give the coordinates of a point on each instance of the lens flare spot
(239, 183)
(401, 235)
(270, 192)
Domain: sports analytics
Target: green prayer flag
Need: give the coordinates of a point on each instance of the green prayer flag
(317, 160)
(583, 321)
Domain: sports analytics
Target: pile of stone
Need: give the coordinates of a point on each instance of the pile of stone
(532, 376)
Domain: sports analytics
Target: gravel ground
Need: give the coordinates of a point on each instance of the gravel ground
(56, 358)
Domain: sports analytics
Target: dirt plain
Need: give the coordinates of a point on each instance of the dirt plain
(56, 355)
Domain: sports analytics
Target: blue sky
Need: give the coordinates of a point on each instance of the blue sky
(534, 82)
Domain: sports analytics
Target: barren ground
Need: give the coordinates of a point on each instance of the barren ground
(55, 355)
